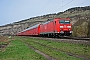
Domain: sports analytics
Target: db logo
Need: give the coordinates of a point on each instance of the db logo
(45, 27)
(64, 26)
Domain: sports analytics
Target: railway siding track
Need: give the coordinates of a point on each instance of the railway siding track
(73, 40)
(40, 52)
(86, 43)
(52, 48)
(43, 54)
(70, 54)
(77, 38)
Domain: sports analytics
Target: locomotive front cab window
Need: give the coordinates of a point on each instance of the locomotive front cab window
(64, 22)
(67, 22)
(61, 21)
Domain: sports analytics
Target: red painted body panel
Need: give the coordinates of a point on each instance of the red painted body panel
(47, 28)
(30, 31)
(54, 26)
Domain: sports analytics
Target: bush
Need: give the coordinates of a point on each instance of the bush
(89, 29)
(80, 31)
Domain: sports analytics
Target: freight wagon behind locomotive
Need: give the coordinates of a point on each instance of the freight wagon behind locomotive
(56, 27)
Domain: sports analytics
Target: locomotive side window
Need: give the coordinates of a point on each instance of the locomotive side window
(55, 22)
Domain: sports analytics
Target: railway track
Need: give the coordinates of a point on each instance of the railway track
(75, 40)
(43, 54)
(70, 54)
(65, 37)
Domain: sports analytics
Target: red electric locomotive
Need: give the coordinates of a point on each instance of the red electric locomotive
(56, 27)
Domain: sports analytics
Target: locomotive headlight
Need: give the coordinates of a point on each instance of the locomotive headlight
(71, 31)
(68, 26)
(61, 26)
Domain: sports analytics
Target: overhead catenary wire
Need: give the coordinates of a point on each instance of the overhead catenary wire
(58, 5)
(63, 5)
(83, 2)
(45, 6)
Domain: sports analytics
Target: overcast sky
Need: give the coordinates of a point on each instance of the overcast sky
(17, 10)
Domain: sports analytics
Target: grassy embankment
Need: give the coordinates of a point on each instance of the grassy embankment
(80, 50)
(77, 49)
(4, 41)
(17, 50)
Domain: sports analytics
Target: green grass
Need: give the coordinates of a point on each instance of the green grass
(78, 49)
(50, 52)
(53, 53)
(19, 51)
(3, 43)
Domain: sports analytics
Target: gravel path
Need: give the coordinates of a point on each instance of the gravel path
(70, 54)
(43, 54)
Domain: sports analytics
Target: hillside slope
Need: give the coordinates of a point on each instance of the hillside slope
(80, 16)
